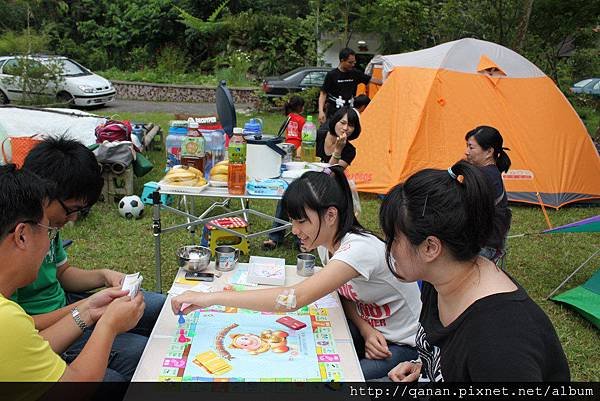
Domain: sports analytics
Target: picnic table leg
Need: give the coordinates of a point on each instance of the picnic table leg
(156, 229)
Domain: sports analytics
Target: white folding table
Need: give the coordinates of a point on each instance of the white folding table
(200, 220)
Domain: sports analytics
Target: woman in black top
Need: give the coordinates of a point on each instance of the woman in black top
(484, 150)
(333, 138)
(477, 323)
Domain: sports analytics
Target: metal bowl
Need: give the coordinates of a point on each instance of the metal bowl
(193, 258)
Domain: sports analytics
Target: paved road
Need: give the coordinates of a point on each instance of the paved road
(138, 106)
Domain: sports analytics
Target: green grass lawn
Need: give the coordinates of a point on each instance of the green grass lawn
(538, 262)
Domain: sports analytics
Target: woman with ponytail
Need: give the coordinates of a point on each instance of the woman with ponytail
(484, 150)
(382, 312)
(477, 323)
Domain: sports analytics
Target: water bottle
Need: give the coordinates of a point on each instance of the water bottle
(236, 173)
(253, 127)
(309, 140)
(215, 149)
(218, 144)
(173, 144)
(138, 131)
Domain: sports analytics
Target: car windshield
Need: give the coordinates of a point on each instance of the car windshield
(290, 73)
(582, 83)
(70, 68)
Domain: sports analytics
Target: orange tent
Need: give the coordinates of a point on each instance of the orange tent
(432, 97)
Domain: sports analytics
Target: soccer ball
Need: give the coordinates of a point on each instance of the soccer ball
(131, 207)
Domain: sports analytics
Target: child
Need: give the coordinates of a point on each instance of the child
(382, 311)
(293, 135)
(294, 108)
(477, 323)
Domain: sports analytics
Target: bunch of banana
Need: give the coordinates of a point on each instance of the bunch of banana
(185, 176)
(219, 171)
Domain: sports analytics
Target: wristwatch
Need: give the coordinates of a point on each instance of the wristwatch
(78, 320)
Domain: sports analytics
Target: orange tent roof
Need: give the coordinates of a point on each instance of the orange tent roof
(431, 99)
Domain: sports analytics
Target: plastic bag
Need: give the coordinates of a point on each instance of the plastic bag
(115, 153)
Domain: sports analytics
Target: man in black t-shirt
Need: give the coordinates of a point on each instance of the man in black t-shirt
(340, 84)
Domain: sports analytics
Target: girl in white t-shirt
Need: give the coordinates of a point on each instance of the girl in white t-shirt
(382, 312)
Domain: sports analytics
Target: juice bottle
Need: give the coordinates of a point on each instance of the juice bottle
(193, 147)
(236, 173)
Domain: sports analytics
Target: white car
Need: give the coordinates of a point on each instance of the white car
(79, 86)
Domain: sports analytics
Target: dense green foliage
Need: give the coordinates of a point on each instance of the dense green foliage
(201, 36)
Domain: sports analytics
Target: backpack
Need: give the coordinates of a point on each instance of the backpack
(113, 130)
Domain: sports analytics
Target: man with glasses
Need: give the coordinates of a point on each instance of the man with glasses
(30, 352)
(340, 84)
(78, 181)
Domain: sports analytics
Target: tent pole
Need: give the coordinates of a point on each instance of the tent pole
(544, 209)
(572, 274)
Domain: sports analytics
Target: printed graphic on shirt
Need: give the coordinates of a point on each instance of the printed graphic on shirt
(292, 130)
(430, 356)
(373, 314)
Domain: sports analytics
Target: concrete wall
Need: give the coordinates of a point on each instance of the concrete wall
(179, 93)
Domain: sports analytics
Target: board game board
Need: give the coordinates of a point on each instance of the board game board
(231, 344)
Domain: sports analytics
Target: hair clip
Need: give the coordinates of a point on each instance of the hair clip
(425, 205)
(327, 171)
(451, 173)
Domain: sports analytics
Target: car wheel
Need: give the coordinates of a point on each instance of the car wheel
(3, 98)
(66, 97)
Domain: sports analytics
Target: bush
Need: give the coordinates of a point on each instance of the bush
(21, 43)
(233, 68)
(172, 60)
(152, 75)
(310, 96)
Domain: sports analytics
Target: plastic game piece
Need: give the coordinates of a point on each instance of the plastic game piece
(181, 318)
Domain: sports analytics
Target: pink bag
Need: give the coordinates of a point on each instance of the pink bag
(113, 130)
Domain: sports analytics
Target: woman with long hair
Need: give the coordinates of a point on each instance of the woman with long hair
(477, 322)
(382, 312)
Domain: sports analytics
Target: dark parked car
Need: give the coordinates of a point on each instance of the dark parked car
(294, 81)
(590, 86)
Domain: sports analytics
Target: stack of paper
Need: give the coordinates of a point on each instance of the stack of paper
(263, 270)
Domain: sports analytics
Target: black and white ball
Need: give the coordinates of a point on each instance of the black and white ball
(131, 207)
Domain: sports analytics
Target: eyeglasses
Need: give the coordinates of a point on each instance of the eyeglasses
(353, 62)
(52, 231)
(79, 210)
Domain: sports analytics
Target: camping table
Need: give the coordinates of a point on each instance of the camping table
(193, 220)
(166, 327)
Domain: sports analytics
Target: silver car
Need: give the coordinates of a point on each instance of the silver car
(590, 86)
(78, 86)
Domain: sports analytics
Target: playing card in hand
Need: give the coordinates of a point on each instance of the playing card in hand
(132, 283)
